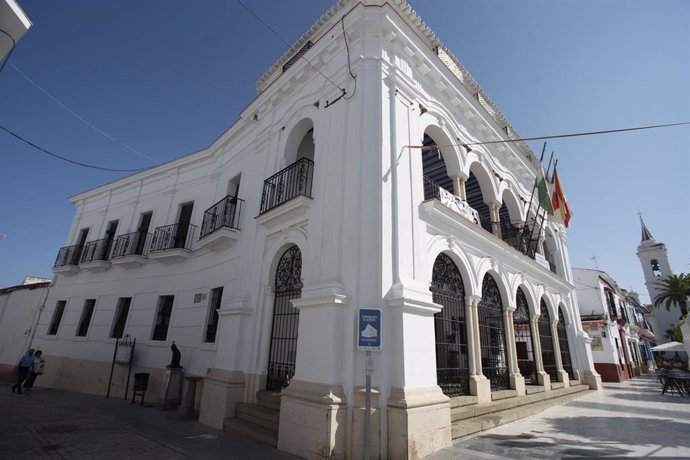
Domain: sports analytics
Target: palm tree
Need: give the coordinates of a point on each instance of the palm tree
(675, 289)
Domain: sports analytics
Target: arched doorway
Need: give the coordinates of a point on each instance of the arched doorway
(548, 354)
(450, 326)
(283, 348)
(563, 344)
(492, 335)
(524, 344)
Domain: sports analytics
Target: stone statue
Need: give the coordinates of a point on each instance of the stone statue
(176, 355)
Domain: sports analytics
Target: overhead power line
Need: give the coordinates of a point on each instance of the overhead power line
(555, 136)
(86, 165)
(280, 37)
(80, 118)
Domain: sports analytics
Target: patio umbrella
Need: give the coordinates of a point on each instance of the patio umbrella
(670, 346)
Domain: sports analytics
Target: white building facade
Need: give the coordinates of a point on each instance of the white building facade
(255, 253)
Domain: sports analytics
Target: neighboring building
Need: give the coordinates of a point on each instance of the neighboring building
(255, 253)
(613, 319)
(13, 25)
(654, 260)
(20, 307)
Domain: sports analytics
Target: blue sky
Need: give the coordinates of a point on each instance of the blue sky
(166, 78)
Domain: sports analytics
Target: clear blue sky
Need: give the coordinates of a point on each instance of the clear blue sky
(167, 77)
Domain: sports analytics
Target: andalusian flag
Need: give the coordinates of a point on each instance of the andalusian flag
(543, 192)
(558, 200)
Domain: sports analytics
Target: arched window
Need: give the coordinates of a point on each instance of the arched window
(548, 354)
(492, 335)
(450, 327)
(475, 199)
(524, 343)
(563, 344)
(434, 169)
(656, 270)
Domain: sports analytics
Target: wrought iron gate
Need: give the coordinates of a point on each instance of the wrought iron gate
(524, 344)
(450, 325)
(492, 335)
(548, 355)
(283, 349)
(563, 344)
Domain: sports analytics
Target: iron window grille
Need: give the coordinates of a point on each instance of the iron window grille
(57, 317)
(86, 315)
(121, 313)
(492, 336)
(548, 354)
(163, 313)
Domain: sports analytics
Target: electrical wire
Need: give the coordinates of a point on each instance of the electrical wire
(78, 117)
(349, 65)
(280, 37)
(14, 44)
(26, 141)
(556, 136)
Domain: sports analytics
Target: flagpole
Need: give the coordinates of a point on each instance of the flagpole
(529, 206)
(543, 216)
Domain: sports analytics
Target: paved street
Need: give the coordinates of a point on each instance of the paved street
(50, 424)
(631, 419)
(625, 420)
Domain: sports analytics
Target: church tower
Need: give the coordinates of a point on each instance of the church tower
(654, 259)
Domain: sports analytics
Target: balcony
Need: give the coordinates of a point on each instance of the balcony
(172, 243)
(95, 255)
(67, 260)
(288, 192)
(130, 249)
(434, 191)
(220, 226)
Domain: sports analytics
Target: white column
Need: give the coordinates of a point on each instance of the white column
(517, 381)
(480, 386)
(562, 375)
(542, 377)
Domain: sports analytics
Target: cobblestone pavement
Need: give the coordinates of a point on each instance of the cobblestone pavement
(630, 419)
(51, 424)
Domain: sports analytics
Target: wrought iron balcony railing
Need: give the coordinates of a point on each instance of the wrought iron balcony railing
(175, 236)
(96, 250)
(292, 181)
(131, 244)
(68, 255)
(225, 213)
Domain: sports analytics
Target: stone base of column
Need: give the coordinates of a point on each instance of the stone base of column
(592, 379)
(544, 380)
(418, 422)
(221, 392)
(564, 378)
(313, 420)
(480, 387)
(517, 383)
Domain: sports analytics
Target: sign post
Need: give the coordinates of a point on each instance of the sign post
(368, 340)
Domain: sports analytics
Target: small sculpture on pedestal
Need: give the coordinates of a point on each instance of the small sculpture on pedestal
(176, 355)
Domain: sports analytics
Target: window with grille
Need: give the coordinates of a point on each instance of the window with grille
(57, 317)
(86, 315)
(163, 313)
(120, 318)
(212, 321)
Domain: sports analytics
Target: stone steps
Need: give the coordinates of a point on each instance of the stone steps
(257, 421)
(467, 420)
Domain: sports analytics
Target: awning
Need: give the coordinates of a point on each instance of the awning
(670, 346)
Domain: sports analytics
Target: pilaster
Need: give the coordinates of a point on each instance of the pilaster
(517, 381)
(562, 374)
(543, 378)
(480, 386)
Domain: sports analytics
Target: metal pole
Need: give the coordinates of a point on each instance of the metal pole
(367, 408)
(112, 368)
(523, 234)
(129, 372)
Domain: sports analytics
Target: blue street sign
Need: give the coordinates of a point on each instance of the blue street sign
(369, 329)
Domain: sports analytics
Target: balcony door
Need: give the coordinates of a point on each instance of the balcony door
(142, 231)
(183, 223)
(109, 238)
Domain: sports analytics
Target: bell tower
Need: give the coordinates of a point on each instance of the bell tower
(654, 259)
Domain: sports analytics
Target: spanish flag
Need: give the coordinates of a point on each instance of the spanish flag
(558, 200)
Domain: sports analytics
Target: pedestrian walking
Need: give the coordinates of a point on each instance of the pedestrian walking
(24, 366)
(37, 368)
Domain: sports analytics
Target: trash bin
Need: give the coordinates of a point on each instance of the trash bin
(141, 384)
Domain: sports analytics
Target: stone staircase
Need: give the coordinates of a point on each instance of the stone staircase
(257, 421)
(468, 417)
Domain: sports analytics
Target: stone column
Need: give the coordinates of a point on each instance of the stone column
(495, 218)
(517, 381)
(540, 247)
(562, 375)
(480, 386)
(543, 378)
(459, 187)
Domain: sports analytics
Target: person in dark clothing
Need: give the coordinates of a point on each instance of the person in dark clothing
(24, 366)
